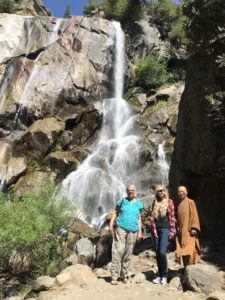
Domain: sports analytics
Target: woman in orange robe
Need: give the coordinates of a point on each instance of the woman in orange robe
(188, 227)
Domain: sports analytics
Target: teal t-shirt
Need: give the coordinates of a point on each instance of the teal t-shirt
(128, 215)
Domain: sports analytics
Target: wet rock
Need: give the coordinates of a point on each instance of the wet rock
(62, 162)
(40, 137)
(77, 274)
(42, 283)
(91, 122)
(202, 278)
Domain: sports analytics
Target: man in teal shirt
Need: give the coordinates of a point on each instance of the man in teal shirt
(128, 228)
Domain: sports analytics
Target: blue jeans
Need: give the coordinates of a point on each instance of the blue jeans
(161, 243)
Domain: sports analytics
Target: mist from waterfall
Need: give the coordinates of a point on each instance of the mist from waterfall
(163, 164)
(102, 178)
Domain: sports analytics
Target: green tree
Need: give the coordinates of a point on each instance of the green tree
(67, 12)
(151, 72)
(123, 10)
(89, 8)
(205, 21)
(7, 6)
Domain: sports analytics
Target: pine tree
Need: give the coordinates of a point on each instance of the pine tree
(67, 12)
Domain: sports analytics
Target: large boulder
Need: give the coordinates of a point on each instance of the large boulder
(202, 278)
(40, 137)
(77, 274)
(86, 249)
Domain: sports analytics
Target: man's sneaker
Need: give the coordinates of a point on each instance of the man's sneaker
(164, 281)
(157, 280)
(114, 282)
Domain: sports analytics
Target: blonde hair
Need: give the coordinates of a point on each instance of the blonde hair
(160, 205)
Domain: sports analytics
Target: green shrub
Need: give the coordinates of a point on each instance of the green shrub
(28, 227)
(7, 6)
(151, 72)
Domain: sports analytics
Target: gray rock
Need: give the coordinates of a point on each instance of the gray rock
(85, 248)
(202, 278)
(42, 283)
(139, 278)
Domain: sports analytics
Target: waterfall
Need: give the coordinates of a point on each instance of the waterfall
(102, 178)
(163, 165)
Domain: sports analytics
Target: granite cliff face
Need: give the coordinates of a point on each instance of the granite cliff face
(198, 159)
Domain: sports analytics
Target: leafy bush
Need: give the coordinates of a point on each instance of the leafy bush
(28, 226)
(7, 6)
(151, 72)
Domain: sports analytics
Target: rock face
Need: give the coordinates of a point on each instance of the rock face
(199, 160)
(67, 63)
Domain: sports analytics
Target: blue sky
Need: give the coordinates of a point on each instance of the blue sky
(58, 6)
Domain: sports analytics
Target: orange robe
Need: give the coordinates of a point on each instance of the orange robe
(187, 246)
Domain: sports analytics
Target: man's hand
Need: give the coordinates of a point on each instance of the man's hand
(193, 232)
(139, 236)
(111, 230)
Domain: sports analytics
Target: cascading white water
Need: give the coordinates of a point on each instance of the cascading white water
(163, 164)
(103, 176)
